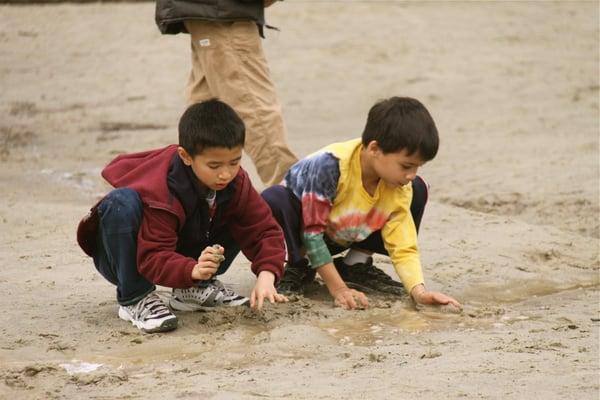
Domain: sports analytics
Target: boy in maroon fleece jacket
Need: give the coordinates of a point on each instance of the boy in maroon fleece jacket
(178, 217)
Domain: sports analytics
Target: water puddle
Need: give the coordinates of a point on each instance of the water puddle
(380, 325)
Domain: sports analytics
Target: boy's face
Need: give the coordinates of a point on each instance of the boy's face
(395, 169)
(214, 167)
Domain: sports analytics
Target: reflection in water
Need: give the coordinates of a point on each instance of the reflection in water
(376, 325)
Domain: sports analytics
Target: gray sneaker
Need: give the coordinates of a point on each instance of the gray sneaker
(231, 298)
(149, 315)
(210, 294)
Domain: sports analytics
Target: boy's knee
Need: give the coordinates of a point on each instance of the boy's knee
(420, 191)
(275, 195)
(123, 202)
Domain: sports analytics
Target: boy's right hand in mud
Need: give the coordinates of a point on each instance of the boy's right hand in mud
(208, 263)
(350, 299)
(343, 296)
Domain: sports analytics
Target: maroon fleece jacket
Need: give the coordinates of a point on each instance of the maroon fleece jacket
(247, 216)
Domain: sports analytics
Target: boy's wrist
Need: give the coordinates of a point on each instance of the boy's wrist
(417, 291)
(337, 290)
(267, 275)
(334, 282)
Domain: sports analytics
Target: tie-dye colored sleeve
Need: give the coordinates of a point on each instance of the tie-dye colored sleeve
(314, 181)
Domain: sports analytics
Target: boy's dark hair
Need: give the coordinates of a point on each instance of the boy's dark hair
(402, 123)
(210, 123)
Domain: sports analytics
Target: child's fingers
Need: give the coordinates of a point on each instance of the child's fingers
(214, 250)
(206, 269)
(455, 303)
(253, 299)
(352, 299)
(362, 298)
(210, 258)
(350, 302)
(261, 299)
(211, 255)
(281, 298)
(208, 265)
(208, 250)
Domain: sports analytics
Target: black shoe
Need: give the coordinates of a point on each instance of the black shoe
(367, 277)
(295, 277)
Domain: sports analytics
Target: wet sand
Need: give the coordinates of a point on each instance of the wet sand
(511, 228)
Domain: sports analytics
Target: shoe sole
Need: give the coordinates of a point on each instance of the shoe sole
(179, 305)
(166, 326)
(237, 303)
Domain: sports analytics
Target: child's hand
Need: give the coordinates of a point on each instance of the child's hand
(350, 299)
(343, 296)
(265, 288)
(208, 263)
(423, 296)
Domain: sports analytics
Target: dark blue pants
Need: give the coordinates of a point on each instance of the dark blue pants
(120, 219)
(287, 210)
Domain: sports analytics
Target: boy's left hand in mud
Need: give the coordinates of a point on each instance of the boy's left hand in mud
(265, 289)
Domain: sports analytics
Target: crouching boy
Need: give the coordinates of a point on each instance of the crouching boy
(363, 195)
(178, 217)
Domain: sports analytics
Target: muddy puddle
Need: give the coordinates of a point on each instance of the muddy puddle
(382, 326)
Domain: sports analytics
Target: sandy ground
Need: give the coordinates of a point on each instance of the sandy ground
(512, 228)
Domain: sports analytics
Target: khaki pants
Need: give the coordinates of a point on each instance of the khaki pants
(228, 63)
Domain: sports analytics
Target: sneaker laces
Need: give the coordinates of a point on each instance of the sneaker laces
(150, 307)
(224, 289)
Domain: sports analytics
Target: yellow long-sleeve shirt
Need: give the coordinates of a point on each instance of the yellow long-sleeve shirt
(335, 203)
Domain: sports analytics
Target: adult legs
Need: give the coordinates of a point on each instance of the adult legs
(228, 62)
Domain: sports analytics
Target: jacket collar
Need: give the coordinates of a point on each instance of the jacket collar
(182, 182)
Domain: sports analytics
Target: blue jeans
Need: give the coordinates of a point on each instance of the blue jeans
(120, 218)
(121, 213)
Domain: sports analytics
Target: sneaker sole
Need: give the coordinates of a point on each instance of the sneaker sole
(166, 326)
(179, 305)
(236, 303)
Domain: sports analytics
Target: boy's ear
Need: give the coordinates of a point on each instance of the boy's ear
(185, 156)
(373, 147)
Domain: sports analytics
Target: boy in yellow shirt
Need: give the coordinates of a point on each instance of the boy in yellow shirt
(363, 195)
